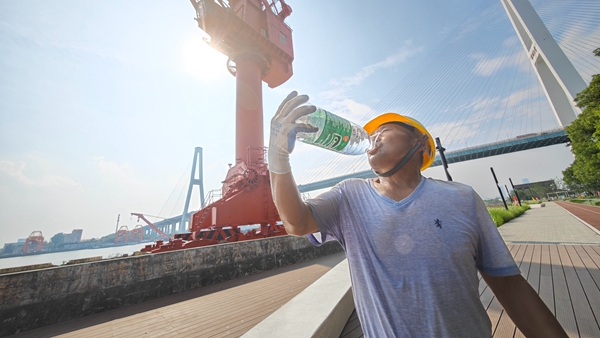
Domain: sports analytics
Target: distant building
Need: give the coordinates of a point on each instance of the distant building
(73, 237)
(548, 184)
(525, 180)
(12, 248)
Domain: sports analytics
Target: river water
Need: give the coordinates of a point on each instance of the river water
(58, 258)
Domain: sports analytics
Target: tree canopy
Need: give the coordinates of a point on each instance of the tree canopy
(58, 239)
(584, 133)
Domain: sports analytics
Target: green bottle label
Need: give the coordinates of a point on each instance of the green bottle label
(336, 132)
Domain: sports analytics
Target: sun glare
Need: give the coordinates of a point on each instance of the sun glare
(202, 61)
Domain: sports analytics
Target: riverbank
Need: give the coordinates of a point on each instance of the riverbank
(73, 248)
(61, 257)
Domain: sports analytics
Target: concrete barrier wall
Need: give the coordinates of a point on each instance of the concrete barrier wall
(38, 298)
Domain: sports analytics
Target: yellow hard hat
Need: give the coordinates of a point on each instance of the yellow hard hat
(428, 154)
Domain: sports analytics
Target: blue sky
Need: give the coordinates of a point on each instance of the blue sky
(102, 103)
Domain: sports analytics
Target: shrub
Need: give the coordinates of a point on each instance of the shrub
(501, 215)
(498, 220)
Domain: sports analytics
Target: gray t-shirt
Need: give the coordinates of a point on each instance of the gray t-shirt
(413, 263)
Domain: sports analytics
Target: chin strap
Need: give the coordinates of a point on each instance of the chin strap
(402, 162)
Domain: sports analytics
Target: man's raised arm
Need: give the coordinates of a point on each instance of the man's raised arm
(295, 214)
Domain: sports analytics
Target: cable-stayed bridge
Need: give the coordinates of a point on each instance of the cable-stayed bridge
(525, 142)
(496, 84)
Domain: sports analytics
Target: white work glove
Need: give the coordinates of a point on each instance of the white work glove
(284, 129)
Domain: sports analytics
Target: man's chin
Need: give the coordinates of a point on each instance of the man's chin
(375, 168)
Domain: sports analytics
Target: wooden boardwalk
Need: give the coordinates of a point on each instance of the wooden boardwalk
(567, 278)
(227, 309)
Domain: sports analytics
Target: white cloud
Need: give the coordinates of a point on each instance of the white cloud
(339, 86)
(115, 172)
(490, 66)
(484, 103)
(462, 132)
(16, 171)
(350, 109)
(338, 102)
(402, 55)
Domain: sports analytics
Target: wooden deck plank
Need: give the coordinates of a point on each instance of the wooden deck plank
(590, 264)
(562, 299)
(234, 306)
(590, 305)
(533, 277)
(505, 327)
(593, 264)
(495, 312)
(546, 291)
(239, 302)
(493, 308)
(350, 324)
(352, 329)
(584, 318)
(204, 308)
(239, 320)
(244, 296)
(356, 333)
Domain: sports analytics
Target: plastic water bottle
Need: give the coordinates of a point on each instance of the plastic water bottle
(335, 133)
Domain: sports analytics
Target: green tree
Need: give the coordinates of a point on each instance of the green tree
(110, 238)
(57, 240)
(573, 184)
(584, 133)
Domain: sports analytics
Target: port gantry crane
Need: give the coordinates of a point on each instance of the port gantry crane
(34, 243)
(253, 34)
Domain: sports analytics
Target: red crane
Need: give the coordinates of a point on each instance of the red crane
(122, 233)
(150, 224)
(253, 34)
(35, 238)
(137, 234)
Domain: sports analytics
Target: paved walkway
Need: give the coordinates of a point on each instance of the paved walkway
(587, 213)
(548, 225)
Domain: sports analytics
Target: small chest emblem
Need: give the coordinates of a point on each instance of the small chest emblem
(438, 223)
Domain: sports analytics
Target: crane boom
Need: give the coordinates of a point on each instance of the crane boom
(154, 227)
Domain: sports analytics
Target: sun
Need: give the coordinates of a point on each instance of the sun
(202, 61)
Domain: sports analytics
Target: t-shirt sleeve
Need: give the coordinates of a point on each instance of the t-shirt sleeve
(493, 257)
(325, 210)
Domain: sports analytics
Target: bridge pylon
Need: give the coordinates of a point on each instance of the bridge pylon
(197, 164)
(558, 76)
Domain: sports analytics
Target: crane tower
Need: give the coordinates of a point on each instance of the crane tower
(258, 43)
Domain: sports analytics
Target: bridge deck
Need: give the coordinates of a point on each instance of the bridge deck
(539, 140)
